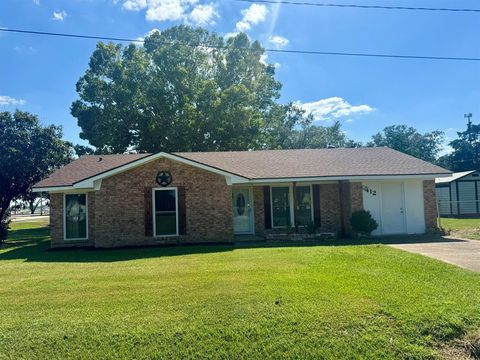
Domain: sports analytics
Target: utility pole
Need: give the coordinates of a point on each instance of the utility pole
(469, 125)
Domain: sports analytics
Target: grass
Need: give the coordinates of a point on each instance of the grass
(464, 228)
(221, 301)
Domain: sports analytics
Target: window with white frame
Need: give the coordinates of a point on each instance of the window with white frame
(76, 216)
(282, 206)
(165, 206)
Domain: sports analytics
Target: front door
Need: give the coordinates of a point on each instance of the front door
(393, 211)
(242, 211)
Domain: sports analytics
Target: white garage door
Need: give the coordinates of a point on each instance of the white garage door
(393, 214)
(396, 206)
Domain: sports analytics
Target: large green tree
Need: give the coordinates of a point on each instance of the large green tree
(290, 128)
(408, 140)
(466, 150)
(185, 89)
(29, 152)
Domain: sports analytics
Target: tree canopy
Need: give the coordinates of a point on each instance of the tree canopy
(188, 89)
(466, 150)
(171, 95)
(408, 140)
(29, 152)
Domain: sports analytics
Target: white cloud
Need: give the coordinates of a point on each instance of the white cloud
(165, 10)
(264, 58)
(333, 108)
(450, 135)
(174, 10)
(7, 100)
(446, 149)
(279, 42)
(230, 34)
(142, 38)
(253, 15)
(59, 15)
(36, 2)
(203, 14)
(135, 5)
(25, 49)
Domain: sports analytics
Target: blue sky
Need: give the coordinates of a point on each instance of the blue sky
(38, 73)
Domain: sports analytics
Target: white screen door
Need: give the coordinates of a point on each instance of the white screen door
(393, 212)
(242, 211)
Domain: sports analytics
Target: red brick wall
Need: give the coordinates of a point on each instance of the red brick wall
(330, 207)
(430, 205)
(56, 220)
(120, 209)
(356, 196)
(259, 210)
(117, 210)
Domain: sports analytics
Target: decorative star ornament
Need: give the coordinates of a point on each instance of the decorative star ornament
(164, 178)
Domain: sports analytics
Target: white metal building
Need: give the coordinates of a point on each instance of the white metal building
(458, 195)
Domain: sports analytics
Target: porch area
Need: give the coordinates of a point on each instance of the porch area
(295, 211)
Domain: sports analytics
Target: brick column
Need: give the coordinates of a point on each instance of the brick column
(351, 199)
(430, 205)
(259, 210)
(56, 220)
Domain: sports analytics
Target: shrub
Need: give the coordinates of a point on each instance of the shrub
(311, 228)
(3, 229)
(363, 222)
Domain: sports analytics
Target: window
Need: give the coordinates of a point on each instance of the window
(281, 213)
(75, 222)
(282, 209)
(303, 197)
(165, 222)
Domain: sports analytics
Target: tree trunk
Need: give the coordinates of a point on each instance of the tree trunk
(4, 209)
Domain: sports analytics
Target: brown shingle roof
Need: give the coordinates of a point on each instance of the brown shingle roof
(85, 167)
(316, 162)
(267, 164)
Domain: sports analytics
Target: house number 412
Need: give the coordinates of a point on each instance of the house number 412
(370, 191)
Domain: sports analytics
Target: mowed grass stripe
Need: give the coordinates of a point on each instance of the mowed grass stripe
(367, 301)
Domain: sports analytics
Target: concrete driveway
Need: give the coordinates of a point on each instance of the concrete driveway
(463, 253)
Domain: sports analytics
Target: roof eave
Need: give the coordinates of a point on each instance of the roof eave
(63, 188)
(349, 177)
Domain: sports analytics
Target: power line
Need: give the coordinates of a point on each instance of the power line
(356, 6)
(284, 51)
(70, 35)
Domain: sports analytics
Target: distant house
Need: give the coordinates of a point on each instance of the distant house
(459, 194)
(171, 198)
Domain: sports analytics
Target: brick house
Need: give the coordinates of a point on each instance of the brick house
(147, 199)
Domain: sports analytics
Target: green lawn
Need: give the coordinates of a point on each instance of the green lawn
(363, 301)
(466, 228)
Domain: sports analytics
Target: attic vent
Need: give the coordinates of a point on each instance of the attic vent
(99, 159)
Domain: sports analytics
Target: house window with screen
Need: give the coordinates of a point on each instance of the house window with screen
(75, 216)
(165, 222)
(282, 206)
(303, 198)
(281, 214)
